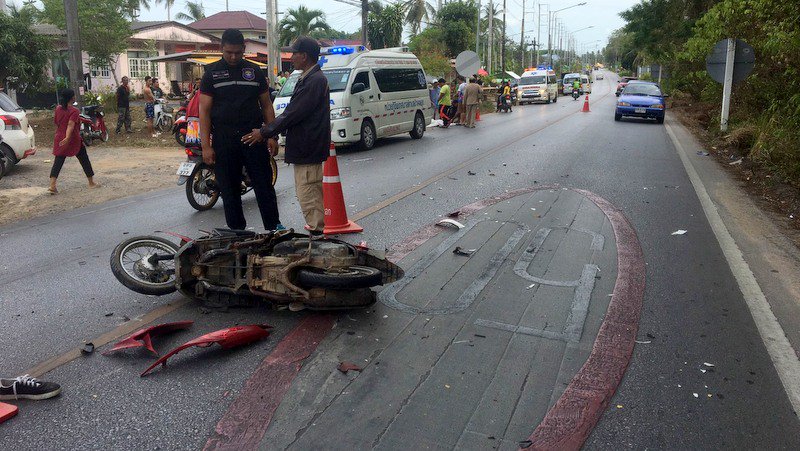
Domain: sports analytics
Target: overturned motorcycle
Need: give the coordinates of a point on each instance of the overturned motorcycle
(282, 267)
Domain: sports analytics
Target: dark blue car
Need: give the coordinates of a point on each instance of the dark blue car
(641, 99)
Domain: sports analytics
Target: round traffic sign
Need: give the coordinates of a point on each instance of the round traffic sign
(743, 61)
(467, 63)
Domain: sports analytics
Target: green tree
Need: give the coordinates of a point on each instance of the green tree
(385, 26)
(301, 22)
(417, 12)
(457, 20)
(24, 53)
(430, 49)
(194, 12)
(104, 28)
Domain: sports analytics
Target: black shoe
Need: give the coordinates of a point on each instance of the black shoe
(26, 387)
(315, 233)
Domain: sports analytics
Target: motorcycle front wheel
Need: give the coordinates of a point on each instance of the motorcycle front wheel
(201, 189)
(181, 137)
(137, 264)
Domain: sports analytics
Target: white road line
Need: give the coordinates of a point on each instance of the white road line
(780, 350)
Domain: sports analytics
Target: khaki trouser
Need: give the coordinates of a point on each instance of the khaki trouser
(472, 110)
(308, 186)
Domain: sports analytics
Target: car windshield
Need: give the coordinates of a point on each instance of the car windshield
(533, 80)
(288, 87)
(6, 104)
(642, 89)
(337, 79)
(570, 80)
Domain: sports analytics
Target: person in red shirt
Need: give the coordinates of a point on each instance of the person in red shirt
(68, 141)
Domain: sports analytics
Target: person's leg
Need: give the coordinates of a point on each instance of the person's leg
(256, 160)
(471, 115)
(228, 171)
(149, 114)
(128, 120)
(58, 163)
(308, 186)
(83, 158)
(120, 118)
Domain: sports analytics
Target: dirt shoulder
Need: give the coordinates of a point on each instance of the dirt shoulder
(780, 199)
(122, 172)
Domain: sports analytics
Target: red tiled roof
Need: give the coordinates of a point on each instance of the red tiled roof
(242, 20)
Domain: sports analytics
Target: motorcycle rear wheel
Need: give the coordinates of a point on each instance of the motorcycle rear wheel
(200, 196)
(353, 277)
(132, 270)
(180, 137)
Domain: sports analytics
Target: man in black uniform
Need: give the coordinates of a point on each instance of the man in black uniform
(235, 99)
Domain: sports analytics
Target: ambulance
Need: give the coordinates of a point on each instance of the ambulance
(374, 94)
(539, 85)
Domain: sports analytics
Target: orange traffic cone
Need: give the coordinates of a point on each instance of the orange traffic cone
(586, 105)
(333, 200)
(478, 114)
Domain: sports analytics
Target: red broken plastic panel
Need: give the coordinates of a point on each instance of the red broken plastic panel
(7, 411)
(227, 338)
(141, 338)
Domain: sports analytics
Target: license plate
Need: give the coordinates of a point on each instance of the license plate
(186, 169)
(640, 110)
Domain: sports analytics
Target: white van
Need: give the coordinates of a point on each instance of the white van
(374, 94)
(586, 84)
(566, 85)
(537, 86)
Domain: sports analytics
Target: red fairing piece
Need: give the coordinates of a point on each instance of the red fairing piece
(227, 338)
(141, 338)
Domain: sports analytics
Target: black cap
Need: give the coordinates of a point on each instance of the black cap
(303, 44)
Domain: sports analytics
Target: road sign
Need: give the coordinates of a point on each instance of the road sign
(467, 63)
(743, 61)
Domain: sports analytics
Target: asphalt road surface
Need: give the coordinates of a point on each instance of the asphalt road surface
(480, 372)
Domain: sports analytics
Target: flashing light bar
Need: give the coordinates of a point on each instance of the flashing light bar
(545, 68)
(340, 50)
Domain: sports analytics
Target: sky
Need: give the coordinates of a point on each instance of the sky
(601, 15)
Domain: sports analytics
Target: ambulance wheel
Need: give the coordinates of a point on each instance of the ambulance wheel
(419, 126)
(367, 135)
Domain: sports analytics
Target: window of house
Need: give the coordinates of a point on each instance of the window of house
(139, 67)
(262, 36)
(101, 71)
(394, 80)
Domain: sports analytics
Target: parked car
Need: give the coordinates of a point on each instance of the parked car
(622, 83)
(643, 100)
(18, 141)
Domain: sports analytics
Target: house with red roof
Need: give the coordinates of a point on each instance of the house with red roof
(252, 27)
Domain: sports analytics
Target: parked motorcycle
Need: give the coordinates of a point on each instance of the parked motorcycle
(282, 267)
(202, 190)
(93, 124)
(162, 119)
(179, 129)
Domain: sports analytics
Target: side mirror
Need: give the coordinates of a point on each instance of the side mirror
(273, 95)
(665, 95)
(358, 87)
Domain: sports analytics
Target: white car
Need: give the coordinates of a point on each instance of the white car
(18, 141)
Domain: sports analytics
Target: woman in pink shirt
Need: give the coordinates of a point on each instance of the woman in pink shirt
(68, 141)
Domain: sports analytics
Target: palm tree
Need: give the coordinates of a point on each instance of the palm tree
(168, 4)
(417, 11)
(194, 12)
(301, 22)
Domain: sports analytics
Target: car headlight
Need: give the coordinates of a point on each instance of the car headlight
(340, 113)
(542, 91)
(658, 105)
(623, 104)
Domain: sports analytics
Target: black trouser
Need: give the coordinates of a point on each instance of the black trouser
(82, 157)
(231, 155)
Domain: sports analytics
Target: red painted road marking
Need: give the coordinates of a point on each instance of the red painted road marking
(247, 419)
(567, 424)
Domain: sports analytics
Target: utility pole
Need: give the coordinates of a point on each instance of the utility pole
(478, 31)
(74, 45)
(522, 37)
(503, 47)
(491, 35)
(364, 14)
(273, 52)
(538, 34)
